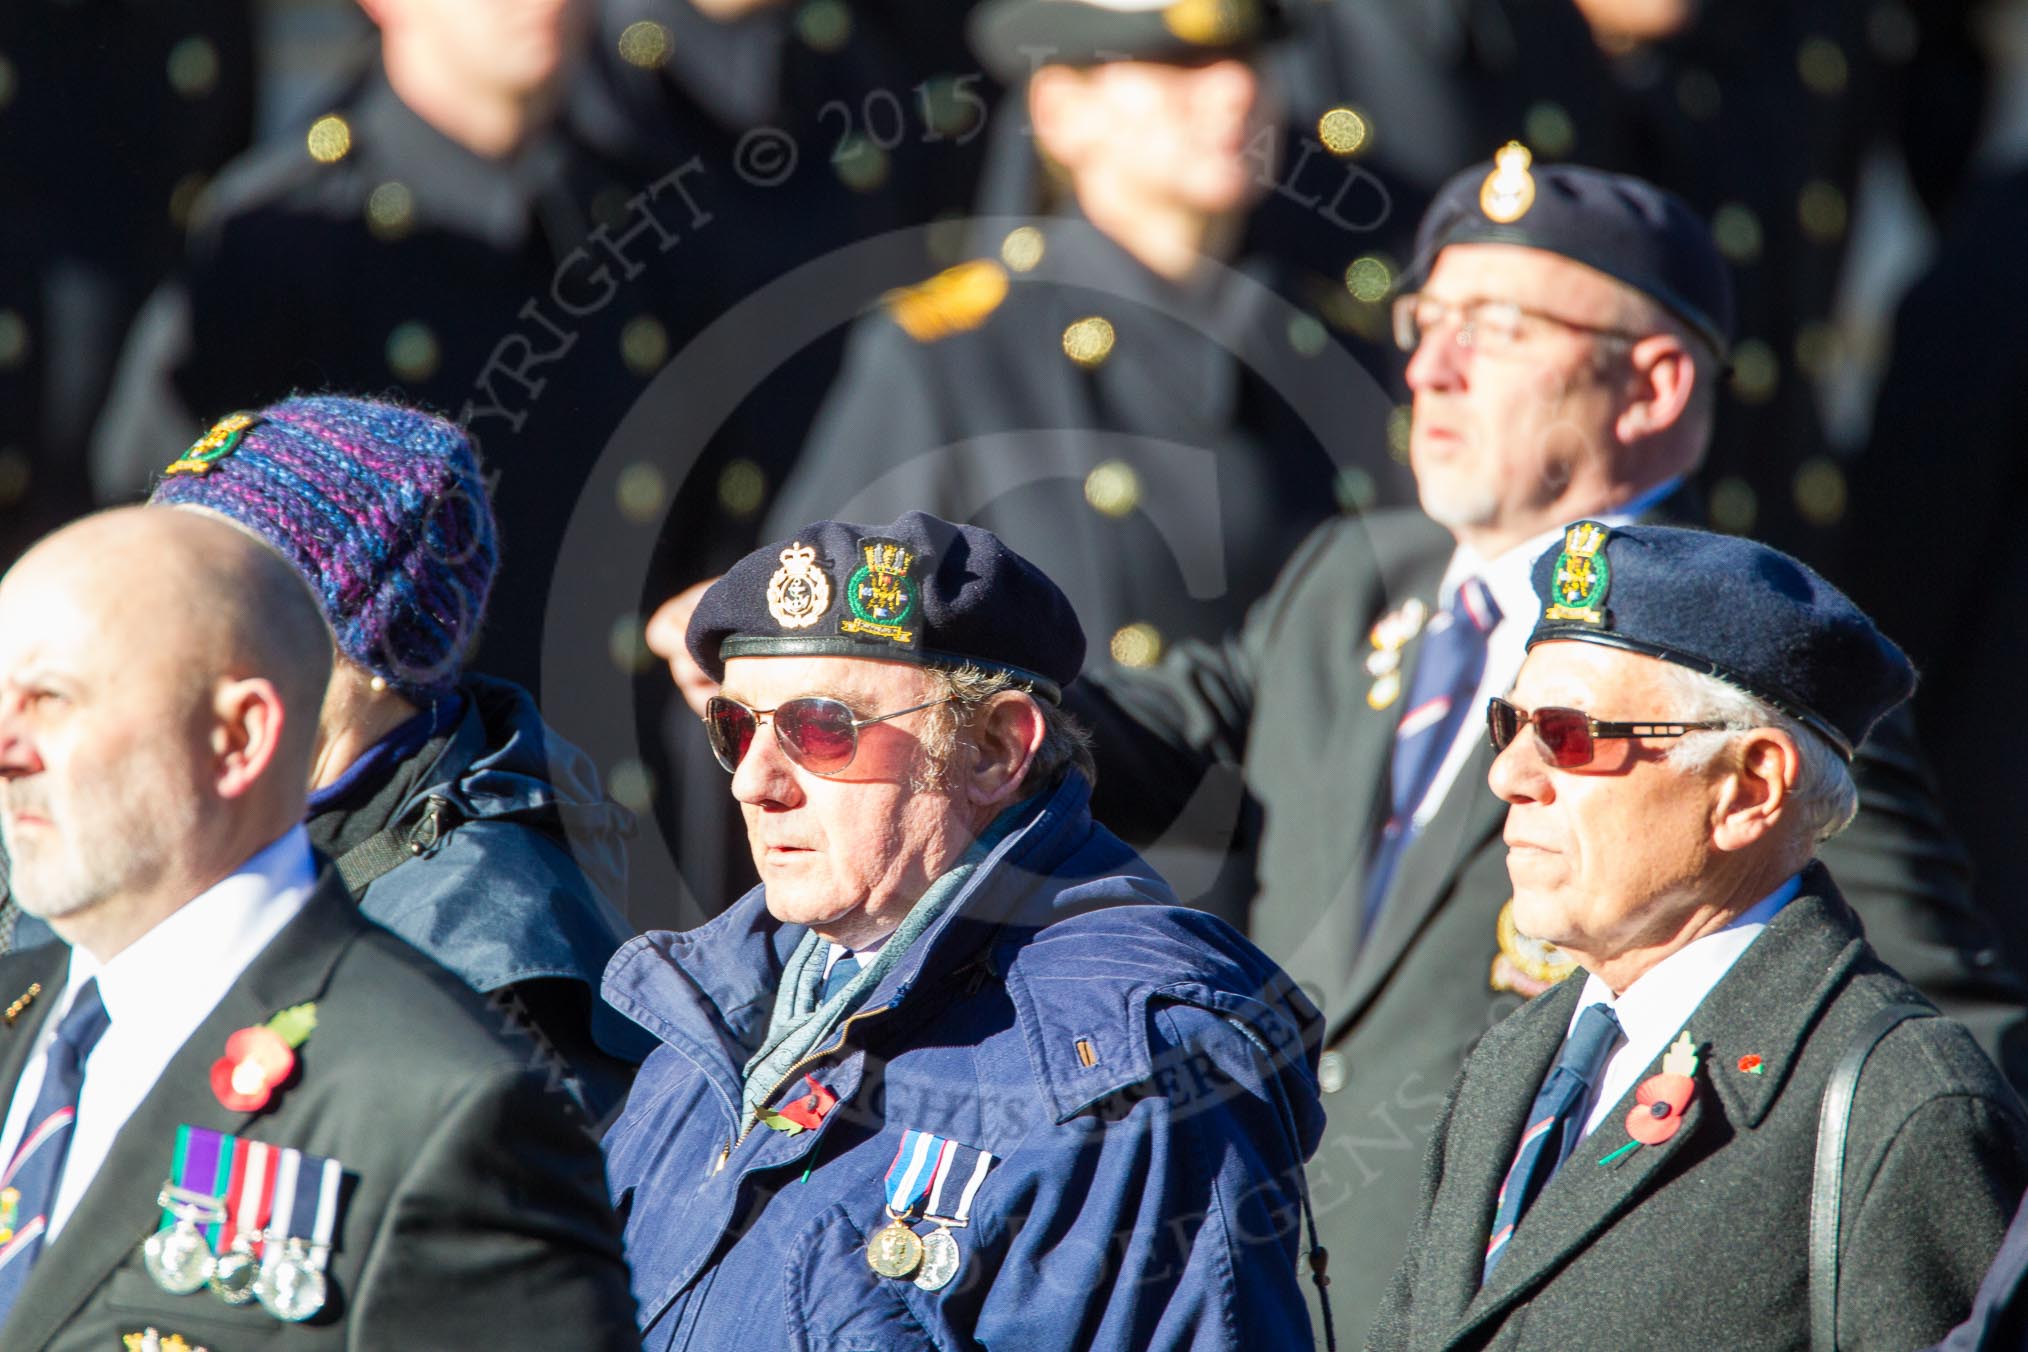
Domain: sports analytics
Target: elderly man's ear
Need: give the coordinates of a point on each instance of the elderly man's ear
(1002, 745)
(1754, 786)
(246, 733)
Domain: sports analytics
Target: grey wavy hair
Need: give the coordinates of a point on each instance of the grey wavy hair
(1824, 799)
(1066, 746)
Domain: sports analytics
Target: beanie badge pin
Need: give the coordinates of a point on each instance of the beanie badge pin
(222, 440)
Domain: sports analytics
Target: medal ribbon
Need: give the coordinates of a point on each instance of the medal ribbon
(202, 1168)
(959, 1172)
(249, 1197)
(908, 1177)
(305, 1200)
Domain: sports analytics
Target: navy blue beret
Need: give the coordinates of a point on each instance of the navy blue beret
(1623, 226)
(919, 589)
(1013, 37)
(1730, 608)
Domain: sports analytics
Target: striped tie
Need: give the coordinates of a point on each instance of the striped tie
(37, 1166)
(1555, 1122)
(1447, 672)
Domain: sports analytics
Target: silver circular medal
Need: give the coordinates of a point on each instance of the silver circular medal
(177, 1258)
(233, 1275)
(939, 1260)
(291, 1287)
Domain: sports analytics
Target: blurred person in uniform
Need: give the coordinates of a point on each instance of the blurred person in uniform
(959, 1071)
(447, 235)
(1566, 329)
(455, 816)
(239, 1114)
(1119, 389)
(1656, 1143)
(1776, 123)
(114, 114)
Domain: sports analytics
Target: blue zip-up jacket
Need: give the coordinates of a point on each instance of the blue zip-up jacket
(1144, 1077)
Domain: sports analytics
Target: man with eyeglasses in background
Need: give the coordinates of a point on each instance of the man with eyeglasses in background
(958, 1072)
(1568, 330)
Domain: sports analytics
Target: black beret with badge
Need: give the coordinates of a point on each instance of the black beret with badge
(1623, 226)
(1728, 607)
(919, 589)
(1013, 37)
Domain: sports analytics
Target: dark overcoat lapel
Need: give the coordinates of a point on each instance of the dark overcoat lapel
(118, 1211)
(1769, 1002)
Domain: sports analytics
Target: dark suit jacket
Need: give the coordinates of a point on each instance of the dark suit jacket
(1285, 698)
(474, 1212)
(1702, 1241)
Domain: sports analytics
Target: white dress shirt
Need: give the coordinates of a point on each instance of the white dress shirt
(1656, 1007)
(1510, 578)
(156, 991)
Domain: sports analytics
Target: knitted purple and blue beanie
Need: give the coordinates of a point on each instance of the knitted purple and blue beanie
(379, 507)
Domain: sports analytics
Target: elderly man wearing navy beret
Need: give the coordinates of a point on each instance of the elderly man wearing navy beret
(1733, 1126)
(1567, 330)
(958, 1073)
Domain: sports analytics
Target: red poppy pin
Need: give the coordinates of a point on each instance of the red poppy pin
(1750, 1064)
(1661, 1100)
(808, 1111)
(259, 1059)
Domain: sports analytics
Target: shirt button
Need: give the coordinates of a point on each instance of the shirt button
(1330, 1072)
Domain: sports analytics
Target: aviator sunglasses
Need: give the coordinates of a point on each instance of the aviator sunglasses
(815, 731)
(1566, 736)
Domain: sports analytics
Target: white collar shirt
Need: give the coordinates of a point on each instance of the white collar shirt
(1510, 578)
(157, 991)
(1656, 1007)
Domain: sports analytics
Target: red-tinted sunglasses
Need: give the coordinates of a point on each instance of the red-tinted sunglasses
(1566, 736)
(816, 732)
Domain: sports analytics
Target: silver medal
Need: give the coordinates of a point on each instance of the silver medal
(177, 1258)
(234, 1273)
(292, 1286)
(939, 1260)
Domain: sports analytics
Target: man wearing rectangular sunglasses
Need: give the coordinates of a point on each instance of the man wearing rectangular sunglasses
(1567, 331)
(1644, 1148)
(958, 1072)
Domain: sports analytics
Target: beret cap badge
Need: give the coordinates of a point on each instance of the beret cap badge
(1509, 190)
(222, 440)
(799, 593)
(881, 593)
(1582, 577)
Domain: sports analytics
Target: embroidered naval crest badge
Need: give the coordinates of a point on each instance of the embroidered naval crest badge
(222, 440)
(1524, 965)
(881, 593)
(1582, 577)
(799, 593)
(1390, 633)
(1509, 190)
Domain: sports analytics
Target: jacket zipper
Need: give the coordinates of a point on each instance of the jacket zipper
(790, 1074)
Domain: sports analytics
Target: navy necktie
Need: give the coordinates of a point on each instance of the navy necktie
(839, 977)
(1447, 672)
(37, 1166)
(1555, 1123)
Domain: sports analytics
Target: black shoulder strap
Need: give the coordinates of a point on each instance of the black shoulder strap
(397, 842)
(1827, 1189)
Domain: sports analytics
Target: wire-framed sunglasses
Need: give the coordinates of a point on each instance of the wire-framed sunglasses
(816, 732)
(1568, 736)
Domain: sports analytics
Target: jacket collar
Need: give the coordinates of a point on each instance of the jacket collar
(1765, 1006)
(710, 990)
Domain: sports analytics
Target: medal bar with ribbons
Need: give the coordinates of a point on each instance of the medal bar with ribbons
(291, 1285)
(179, 1254)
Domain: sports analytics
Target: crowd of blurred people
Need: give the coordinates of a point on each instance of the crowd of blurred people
(1148, 292)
